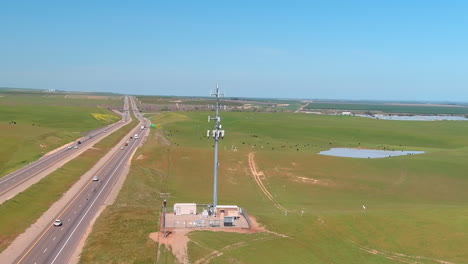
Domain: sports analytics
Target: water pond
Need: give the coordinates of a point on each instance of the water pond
(366, 153)
(418, 118)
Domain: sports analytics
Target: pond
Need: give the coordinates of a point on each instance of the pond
(418, 118)
(366, 153)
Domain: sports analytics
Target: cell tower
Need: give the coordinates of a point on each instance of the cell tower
(216, 133)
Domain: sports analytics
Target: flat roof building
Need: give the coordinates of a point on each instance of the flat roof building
(227, 210)
(185, 208)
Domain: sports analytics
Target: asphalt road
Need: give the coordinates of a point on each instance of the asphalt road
(18, 181)
(56, 244)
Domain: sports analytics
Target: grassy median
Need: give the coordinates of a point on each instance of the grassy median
(18, 213)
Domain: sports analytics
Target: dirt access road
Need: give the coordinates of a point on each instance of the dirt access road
(257, 177)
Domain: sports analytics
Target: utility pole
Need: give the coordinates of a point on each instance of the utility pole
(165, 233)
(217, 133)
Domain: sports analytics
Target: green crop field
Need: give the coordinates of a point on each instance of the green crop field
(416, 206)
(31, 125)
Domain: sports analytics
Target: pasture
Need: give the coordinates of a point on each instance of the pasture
(31, 125)
(407, 209)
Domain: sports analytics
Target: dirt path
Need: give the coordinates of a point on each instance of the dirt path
(217, 253)
(397, 256)
(256, 174)
(402, 178)
(301, 108)
(178, 240)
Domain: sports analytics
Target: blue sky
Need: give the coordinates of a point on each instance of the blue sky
(387, 50)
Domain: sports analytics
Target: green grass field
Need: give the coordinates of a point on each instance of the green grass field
(18, 213)
(13, 97)
(416, 205)
(167, 100)
(31, 125)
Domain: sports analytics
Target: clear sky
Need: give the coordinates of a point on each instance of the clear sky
(389, 50)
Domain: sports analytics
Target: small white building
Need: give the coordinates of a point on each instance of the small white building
(185, 208)
(346, 113)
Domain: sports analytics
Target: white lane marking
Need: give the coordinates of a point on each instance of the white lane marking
(44, 250)
(19, 173)
(68, 220)
(38, 162)
(61, 228)
(54, 238)
(90, 206)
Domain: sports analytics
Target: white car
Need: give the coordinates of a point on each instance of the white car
(57, 222)
(75, 147)
(95, 178)
(69, 147)
(122, 148)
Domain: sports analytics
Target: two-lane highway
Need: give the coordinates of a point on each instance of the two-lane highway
(19, 180)
(56, 244)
